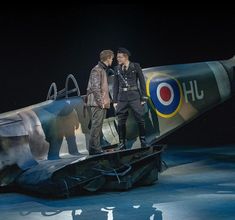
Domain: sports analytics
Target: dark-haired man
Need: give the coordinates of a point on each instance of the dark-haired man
(127, 94)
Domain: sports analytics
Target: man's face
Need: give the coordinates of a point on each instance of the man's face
(110, 61)
(122, 58)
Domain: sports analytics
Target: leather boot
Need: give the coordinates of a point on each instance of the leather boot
(122, 137)
(142, 135)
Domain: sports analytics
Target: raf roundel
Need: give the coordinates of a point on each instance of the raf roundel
(165, 94)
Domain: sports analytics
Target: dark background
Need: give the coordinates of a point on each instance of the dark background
(39, 46)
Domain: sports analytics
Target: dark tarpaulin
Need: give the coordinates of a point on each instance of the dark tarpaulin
(120, 170)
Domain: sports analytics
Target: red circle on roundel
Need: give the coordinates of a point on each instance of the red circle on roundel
(165, 93)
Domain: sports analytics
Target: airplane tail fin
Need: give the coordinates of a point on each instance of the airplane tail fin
(230, 67)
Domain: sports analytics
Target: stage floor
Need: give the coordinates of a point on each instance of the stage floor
(198, 184)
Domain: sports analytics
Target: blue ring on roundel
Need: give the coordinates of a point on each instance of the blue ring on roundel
(165, 109)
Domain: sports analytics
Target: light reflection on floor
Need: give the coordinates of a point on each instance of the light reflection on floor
(199, 184)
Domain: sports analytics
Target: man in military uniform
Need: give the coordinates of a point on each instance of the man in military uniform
(127, 94)
(98, 99)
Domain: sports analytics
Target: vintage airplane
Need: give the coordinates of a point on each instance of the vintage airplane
(43, 148)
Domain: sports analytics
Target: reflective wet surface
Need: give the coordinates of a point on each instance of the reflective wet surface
(199, 183)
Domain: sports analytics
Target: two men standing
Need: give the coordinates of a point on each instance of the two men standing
(126, 94)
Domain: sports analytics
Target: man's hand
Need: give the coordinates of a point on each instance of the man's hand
(143, 102)
(101, 106)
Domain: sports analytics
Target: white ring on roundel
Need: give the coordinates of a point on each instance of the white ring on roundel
(163, 84)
